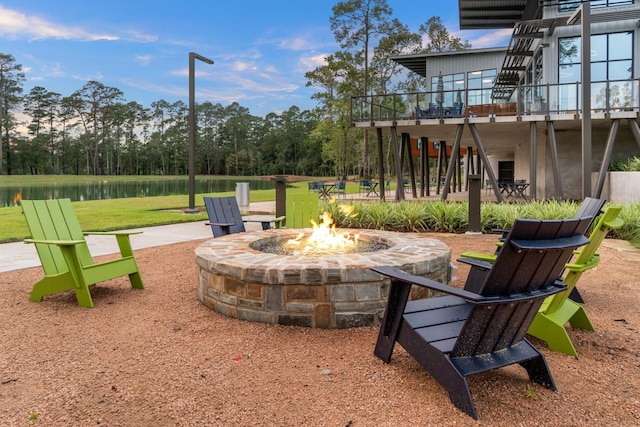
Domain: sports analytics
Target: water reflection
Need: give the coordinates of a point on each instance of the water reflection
(10, 196)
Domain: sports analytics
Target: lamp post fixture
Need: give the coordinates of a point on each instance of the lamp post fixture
(192, 129)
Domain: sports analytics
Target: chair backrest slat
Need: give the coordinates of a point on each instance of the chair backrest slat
(590, 207)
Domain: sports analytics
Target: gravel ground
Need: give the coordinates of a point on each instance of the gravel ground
(158, 357)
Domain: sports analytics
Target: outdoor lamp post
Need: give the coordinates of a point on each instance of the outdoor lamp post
(192, 130)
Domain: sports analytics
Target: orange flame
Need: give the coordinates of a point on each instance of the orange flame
(325, 239)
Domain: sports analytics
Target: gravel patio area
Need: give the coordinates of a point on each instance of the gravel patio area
(158, 357)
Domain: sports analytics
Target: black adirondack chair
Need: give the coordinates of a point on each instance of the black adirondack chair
(225, 217)
(483, 327)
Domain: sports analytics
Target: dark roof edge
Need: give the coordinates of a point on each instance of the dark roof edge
(452, 52)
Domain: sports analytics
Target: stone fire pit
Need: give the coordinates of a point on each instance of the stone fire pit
(327, 291)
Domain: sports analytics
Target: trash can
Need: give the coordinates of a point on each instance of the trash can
(242, 193)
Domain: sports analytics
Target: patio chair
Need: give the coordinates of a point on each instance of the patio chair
(589, 207)
(469, 332)
(340, 187)
(65, 256)
(225, 217)
(301, 209)
(487, 186)
(558, 310)
(313, 185)
(364, 187)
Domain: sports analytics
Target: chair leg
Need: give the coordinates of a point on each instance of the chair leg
(442, 369)
(553, 333)
(575, 296)
(580, 320)
(84, 297)
(392, 320)
(539, 372)
(136, 280)
(460, 395)
(51, 285)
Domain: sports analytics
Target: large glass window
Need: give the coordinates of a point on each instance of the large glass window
(611, 60)
(570, 5)
(533, 94)
(479, 85)
(445, 88)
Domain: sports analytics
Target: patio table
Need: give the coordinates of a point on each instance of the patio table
(373, 188)
(513, 189)
(325, 189)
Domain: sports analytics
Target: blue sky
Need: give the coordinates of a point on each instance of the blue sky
(261, 49)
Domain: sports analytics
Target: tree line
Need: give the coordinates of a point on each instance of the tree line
(96, 131)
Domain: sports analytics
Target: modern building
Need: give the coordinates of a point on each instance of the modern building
(520, 107)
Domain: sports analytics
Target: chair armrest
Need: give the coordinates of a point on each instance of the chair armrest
(478, 256)
(563, 243)
(476, 262)
(471, 297)
(266, 221)
(403, 276)
(502, 231)
(614, 224)
(110, 233)
(278, 221)
(221, 224)
(55, 242)
(581, 268)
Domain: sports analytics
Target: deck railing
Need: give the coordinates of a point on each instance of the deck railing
(550, 99)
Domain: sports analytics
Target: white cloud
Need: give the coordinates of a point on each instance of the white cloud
(17, 25)
(184, 72)
(48, 71)
(88, 78)
(310, 62)
(492, 39)
(144, 60)
(14, 24)
(298, 43)
(137, 36)
(244, 66)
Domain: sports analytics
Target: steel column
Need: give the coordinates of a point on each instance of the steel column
(608, 151)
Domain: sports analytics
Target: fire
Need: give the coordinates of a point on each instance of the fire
(325, 239)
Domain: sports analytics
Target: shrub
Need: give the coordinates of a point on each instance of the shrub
(632, 164)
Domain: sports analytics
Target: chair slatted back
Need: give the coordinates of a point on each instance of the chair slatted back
(532, 259)
(608, 221)
(54, 220)
(587, 258)
(224, 210)
(301, 209)
(590, 207)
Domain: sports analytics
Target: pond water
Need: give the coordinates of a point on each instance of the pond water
(9, 196)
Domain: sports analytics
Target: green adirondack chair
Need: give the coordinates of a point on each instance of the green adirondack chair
(65, 256)
(556, 311)
(301, 209)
